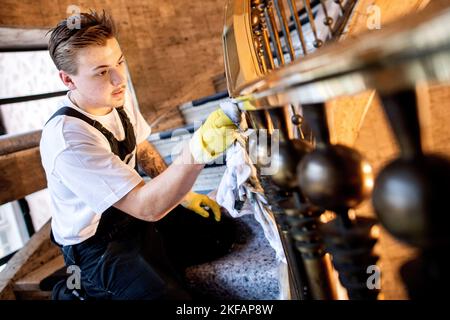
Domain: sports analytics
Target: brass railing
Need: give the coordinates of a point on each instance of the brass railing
(263, 35)
(266, 72)
(411, 51)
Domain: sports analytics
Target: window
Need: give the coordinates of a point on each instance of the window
(26, 72)
(13, 231)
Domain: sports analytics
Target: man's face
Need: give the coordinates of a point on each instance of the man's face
(101, 78)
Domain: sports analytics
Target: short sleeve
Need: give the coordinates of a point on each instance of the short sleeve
(95, 175)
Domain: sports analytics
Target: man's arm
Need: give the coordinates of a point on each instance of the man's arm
(151, 201)
(150, 160)
(153, 164)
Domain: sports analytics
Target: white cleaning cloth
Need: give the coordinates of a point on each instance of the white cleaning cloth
(235, 187)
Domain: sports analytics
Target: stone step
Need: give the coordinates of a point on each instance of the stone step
(248, 272)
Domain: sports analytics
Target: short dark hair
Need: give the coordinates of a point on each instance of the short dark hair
(65, 40)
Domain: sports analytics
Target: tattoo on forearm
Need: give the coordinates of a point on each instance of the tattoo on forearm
(151, 161)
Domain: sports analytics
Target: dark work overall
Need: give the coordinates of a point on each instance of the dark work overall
(128, 258)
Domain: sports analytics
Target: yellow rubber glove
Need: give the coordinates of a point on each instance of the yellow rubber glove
(213, 137)
(196, 202)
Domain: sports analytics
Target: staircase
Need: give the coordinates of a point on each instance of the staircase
(250, 270)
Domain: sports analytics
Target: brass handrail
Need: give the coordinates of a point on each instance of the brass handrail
(241, 62)
(413, 50)
(263, 35)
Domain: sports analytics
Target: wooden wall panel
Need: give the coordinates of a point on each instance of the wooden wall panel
(38, 251)
(21, 173)
(345, 116)
(173, 48)
(434, 113)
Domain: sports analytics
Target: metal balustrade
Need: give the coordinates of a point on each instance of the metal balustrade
(270, 69)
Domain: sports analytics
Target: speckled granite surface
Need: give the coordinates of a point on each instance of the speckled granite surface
(248, 272)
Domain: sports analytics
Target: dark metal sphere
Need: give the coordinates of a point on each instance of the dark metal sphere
(335, 177)
(328, 21)
(411, 200)
(317, 43)
(297, 119)
(283, 164)
(255, 19)
(286, 161)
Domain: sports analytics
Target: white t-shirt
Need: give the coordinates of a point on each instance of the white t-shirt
(84, 177)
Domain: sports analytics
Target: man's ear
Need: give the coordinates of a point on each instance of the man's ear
(67, 80)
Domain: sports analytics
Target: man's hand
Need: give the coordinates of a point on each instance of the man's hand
(213, 137)
(195, 202)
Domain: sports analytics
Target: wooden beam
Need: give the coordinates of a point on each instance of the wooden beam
(23, 38)
(33, 295)
(21, 173)
(10, 143)
(31, 281)
(38, 251)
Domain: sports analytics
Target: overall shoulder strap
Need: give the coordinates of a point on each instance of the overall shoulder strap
(68, 111)
(71, 112)
(130, 138)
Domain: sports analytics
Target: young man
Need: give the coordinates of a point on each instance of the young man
(103, 213)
